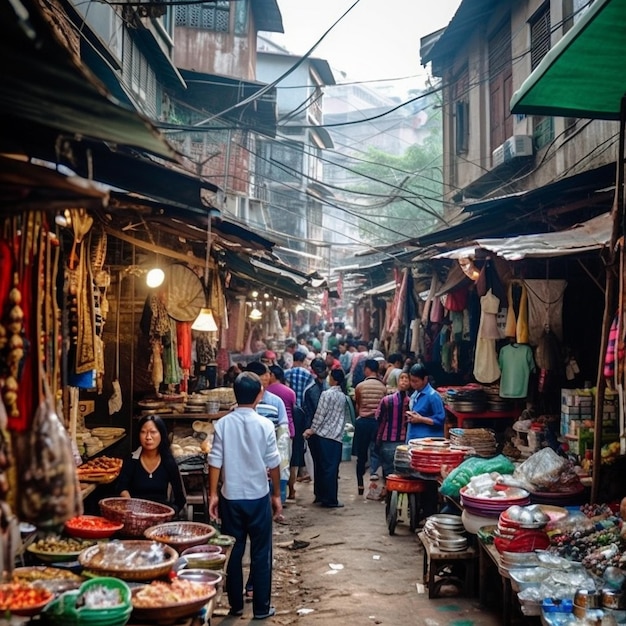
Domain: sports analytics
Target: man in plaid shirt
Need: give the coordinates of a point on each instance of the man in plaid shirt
(299, 377)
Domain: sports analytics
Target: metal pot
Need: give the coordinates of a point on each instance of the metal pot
(613, 599)
(587, 599)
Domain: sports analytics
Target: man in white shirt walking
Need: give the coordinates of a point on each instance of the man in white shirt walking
(244, 447)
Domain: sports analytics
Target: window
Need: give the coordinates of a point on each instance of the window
(461, 113)
(572, 12)
(500, 85)
(279, 161)
(539, 35)
(544, 132)
(207, 15)
(540, 43)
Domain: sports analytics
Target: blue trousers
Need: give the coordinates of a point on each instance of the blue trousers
(327, 469)
(314, 448)
(243, 519)
(365, 431)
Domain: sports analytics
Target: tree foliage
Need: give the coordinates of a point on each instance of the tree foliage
(413, 183)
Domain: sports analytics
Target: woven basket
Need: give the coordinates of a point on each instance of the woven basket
(181, 535)
(136, 514)
(98, 560)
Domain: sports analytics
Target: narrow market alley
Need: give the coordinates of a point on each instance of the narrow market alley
(341, 566)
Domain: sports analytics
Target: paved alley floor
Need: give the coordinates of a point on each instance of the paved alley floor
(345, 569)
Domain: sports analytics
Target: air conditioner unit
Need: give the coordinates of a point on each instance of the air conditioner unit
(514, 147)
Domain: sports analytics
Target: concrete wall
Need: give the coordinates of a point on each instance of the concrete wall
(578, 145)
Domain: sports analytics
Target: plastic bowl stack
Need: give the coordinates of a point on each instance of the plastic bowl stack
(522, 529)
(98, 602)
(429, 454)
(491, 502)
(208, 557)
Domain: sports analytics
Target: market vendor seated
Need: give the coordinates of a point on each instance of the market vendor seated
(151, 472)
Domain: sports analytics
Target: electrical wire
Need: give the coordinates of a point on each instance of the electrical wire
(284, 75)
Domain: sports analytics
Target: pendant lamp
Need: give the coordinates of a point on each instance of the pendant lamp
(255, 314)
(205, 321)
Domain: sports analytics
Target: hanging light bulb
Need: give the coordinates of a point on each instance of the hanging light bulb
(205, 321)
(155, 277)
(255, 314)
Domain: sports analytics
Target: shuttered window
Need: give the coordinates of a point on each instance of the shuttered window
(500, 85)
(539, 35)
(208, 15)
(461, 113)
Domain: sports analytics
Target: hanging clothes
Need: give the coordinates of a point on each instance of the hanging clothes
(516, 363)
(434, 286)
(545, 308)
(486, 368)
(399, 303)
(517, 324)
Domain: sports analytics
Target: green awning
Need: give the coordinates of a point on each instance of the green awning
(584, 75)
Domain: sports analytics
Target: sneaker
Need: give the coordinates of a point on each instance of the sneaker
(373, 476)
(270, 613)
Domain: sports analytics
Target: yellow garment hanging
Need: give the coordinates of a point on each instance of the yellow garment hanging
(517, 328)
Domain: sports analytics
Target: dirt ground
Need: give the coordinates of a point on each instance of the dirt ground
(352, 572)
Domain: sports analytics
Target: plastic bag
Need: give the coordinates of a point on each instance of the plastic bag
(283, 442)
(474, 466)
(48, 484)
(542, 470)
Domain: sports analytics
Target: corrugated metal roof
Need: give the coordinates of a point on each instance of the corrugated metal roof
(44, 84)
(267, 16)
(593, 234)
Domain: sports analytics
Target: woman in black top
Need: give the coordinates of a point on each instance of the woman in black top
(152, 469)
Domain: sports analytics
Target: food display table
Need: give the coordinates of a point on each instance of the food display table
(461, 416)
(489, 557)
(435, 560)
(192, 416)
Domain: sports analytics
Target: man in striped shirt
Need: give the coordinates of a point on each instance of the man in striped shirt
(392, 423)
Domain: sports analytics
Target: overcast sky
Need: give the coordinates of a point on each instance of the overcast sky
(378, 39)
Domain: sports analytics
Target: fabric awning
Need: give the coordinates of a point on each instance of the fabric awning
(242, 267)
(584, 75)
(591, 235)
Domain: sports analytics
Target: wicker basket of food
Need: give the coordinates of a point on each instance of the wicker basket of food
(132, 559)
(136, 514)
(181, 535)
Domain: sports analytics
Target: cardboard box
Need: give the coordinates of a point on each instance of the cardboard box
(567, 397)
(570, 409)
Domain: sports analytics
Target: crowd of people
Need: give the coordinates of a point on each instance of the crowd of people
(327, 378)
(289, 425)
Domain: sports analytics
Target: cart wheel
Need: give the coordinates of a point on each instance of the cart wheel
(413, 512)
(392, 515)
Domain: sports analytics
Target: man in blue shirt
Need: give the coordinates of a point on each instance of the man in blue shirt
(426, 415)
(425, 418)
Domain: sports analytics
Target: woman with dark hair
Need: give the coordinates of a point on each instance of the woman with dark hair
(327, 428)
(151, 470)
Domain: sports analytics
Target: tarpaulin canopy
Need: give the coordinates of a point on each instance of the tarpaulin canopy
(593, 234)
(584, 74)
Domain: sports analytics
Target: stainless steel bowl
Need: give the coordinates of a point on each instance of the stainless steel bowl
(201, 576)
